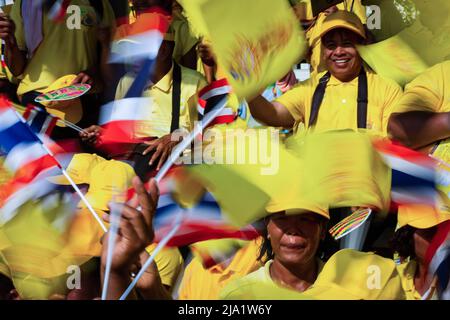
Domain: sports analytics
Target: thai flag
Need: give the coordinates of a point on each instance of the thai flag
(438, 260)
(200, 223)
(212, 94)
(119, 120)
(58, 10)
(26, 156)
(413, 174)
(39, 120)
(142, 39)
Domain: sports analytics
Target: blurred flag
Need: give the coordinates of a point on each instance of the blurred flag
(119, 120)
(244, 170)
(214, 252)
(26, 156)
(422, 44)
(256, 45)
(208, 98)
(438, 260)
(413, 174)
(39, 120)
(141, 39)
(58, 10)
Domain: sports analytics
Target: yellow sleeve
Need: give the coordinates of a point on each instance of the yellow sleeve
(425, 93)
(16, 16)
(392, 94)
(294, 101)
(184, 38)
(169, 262)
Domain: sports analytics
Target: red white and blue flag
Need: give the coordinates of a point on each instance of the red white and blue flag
(58, 10)
(39, 120)
(413, 174)
(26, 158)
(210, 96)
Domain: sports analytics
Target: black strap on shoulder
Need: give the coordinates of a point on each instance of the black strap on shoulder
(176, 95)
(319, 93)
(362, 99)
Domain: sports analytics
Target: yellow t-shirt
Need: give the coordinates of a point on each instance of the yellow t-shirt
(407, 271)
(169, 263)
(430, 91)
(204, 284)
(184, 38)
(62, 51)
(339, 106)
(159, 115)
(237, 289)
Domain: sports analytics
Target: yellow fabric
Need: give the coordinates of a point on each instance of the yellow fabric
(407, 271)
(354, 275)
(339, 106)
(4, 269)
(255, 50)
(78, 47)
(160, 112)
(169, 262)
(358, 9)
(109, 181)
(428, 92)
(204, 284)
(247, 287)
(342, 169)
(184, 38)
(79, 169)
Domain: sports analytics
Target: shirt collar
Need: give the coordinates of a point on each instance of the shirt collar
(335, 82)
(165, 83)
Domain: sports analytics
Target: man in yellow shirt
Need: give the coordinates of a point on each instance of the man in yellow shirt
(345, 97)
(34, 47)
(422, 116)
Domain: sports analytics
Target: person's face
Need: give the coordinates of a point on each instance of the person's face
(295, 238)
(341, 57)
(422, 239)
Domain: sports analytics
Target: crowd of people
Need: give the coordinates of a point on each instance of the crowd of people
(294, 257)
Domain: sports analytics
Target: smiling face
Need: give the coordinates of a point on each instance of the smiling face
(340, 54)
(295, 238)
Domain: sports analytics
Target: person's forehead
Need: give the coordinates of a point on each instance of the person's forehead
(340, 34)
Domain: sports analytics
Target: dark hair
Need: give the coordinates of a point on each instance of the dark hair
(327, 246)
(402, 242)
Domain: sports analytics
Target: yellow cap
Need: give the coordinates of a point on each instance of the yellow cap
(421, 216)
(79, 169)
(110, 181)
(72, 111)
(296, 200)
(354, 275)
(343, 19)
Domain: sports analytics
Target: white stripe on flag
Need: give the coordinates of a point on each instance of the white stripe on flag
(410, 167)
(126, 109)
(416, 195)
(8, 118)
(24, 153)
(226, 112)
(216, 92)
(144, 45)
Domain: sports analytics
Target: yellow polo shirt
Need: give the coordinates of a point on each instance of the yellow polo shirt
(159, 115)
(430, 91)
(185, 40)
(62, 51)
(169, 263)
(407, 271)
(339, 106)
(237, 289)
(205, 284)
